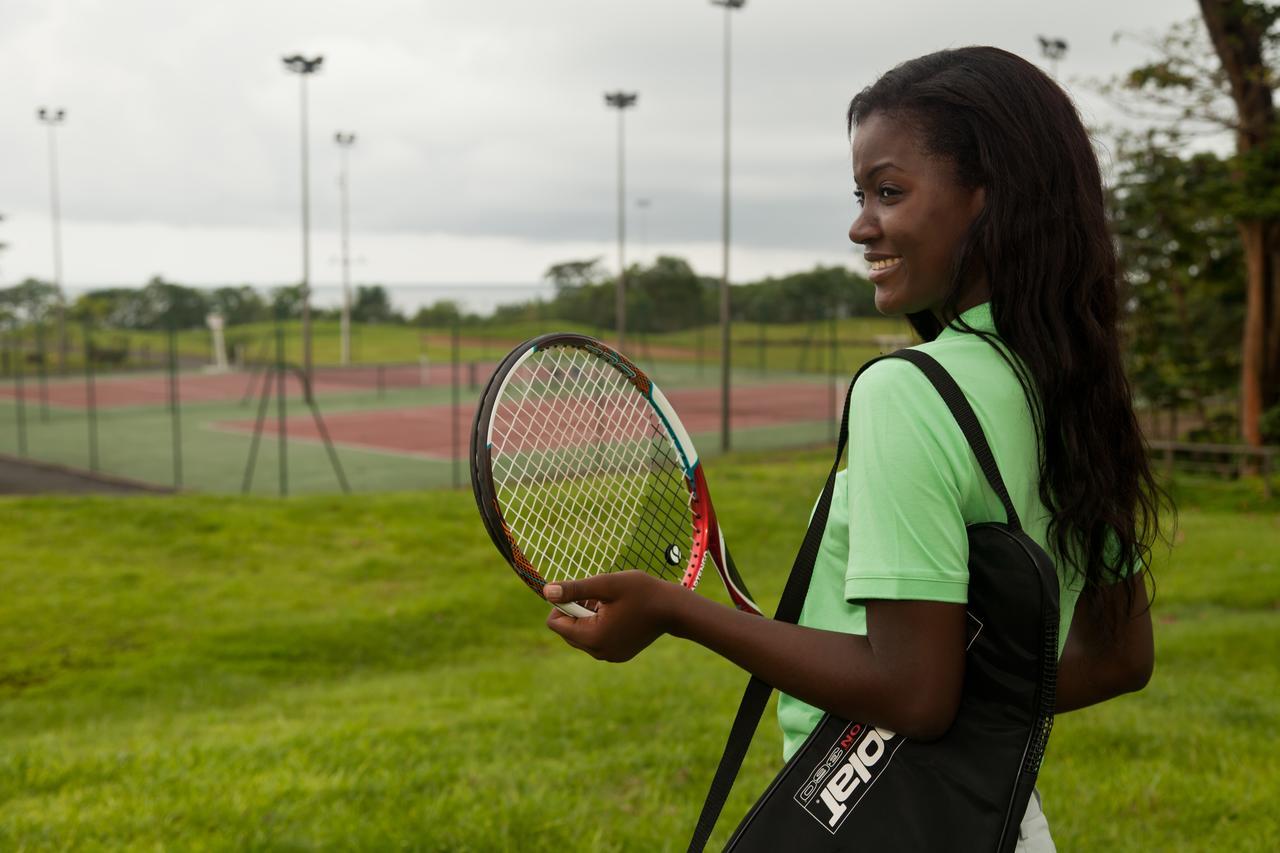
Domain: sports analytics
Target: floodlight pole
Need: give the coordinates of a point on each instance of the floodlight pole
(345, 141)
(52, 118)
(1052, 49)
(729, 6)
(643, 204)
(621, 101)
(304, 67)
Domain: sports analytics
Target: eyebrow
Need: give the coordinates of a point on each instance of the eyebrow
(882, 165)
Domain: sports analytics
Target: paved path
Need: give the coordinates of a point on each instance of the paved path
(22, 477)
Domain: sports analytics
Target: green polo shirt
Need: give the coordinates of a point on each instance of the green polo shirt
(897, 524)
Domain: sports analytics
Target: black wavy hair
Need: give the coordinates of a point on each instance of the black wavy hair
(1043, 243)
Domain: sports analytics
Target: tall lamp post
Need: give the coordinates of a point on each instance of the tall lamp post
(621, 101)
(1052, 50)
(345, 141)
(304, 67)
(729, 6)
(52, 118)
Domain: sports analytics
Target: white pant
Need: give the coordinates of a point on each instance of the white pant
(1033, 834)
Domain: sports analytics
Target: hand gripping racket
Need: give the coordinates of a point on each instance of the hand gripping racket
(580, 466)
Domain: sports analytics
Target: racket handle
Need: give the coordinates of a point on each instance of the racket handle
(575, 610)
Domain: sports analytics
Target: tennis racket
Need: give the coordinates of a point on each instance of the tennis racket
(580, 466)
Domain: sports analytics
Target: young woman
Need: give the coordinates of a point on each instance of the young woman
(981, 217)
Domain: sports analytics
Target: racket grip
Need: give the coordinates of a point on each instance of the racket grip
(575, 610)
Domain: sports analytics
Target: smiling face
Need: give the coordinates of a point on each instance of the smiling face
(914, 216)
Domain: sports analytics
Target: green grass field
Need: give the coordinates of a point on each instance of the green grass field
(777, 346)
(363, 673)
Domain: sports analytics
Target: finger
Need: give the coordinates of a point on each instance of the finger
(582, 589)
(571, 630)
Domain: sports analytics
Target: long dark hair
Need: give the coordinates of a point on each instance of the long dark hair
(1043, 243)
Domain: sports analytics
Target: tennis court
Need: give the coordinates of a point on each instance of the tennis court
(392, 426)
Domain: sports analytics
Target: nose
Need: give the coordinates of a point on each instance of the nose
(865, 227)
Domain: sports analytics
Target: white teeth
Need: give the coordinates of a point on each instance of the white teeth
(885, 264)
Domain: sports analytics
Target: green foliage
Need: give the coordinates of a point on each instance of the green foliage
(668, 296)
(803, 296)
(364, 673)
(156, 305)
(286, 302)
(372, 305)
(31, 301)
(1184, 272)
(1271, 425)
(239, 305)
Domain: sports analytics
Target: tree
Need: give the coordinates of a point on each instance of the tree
(238, 305)
(666, 296)
(573, 274)
(1184, 275)
(31, 301)
(444, 312)
(286, 302)
(1235, 94)
(372, 305)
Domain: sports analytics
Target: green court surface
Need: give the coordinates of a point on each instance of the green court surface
(408, 451)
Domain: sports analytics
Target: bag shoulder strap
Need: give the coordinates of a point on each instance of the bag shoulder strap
(756, 696)
(967, 420)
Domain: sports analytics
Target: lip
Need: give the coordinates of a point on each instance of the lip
(881, 275)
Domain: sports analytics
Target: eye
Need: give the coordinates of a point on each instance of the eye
(887, 193)
(860, 197)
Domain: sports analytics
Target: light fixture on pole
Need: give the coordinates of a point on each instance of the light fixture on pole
(304, 68)
(345, 141)
(729, 6)
(621, 101)
(1052, 50)
(52, 118)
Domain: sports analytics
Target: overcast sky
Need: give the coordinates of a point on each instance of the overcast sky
(485, 152)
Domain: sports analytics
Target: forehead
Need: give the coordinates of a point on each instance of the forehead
(885, 137)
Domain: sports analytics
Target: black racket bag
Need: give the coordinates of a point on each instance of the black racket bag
(856, 787)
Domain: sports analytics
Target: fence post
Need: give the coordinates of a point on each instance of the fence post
(283, 439)
(174, 411)
(44, 372)
(91, 395)
(454, 357)
(20, 400)
(833, 327)
(760, 365)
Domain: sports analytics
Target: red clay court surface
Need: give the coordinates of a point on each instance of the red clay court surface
(427, 430)
(153, 389)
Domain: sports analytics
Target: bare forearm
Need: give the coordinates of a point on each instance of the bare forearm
(845, 674)
(1109, 649)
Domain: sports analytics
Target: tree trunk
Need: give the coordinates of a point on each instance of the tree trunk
(1237, 29)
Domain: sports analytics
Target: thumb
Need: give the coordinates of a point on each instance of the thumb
(582, 589)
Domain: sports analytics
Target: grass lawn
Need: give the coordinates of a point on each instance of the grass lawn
(774, 346)
(364, 673)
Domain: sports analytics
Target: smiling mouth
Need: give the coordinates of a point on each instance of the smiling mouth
(885, 264)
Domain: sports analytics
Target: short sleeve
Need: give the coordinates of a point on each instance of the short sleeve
(908, 476)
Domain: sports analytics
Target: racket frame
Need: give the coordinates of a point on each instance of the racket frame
(708, 540)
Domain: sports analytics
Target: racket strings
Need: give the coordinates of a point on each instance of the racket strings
(585, 473)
